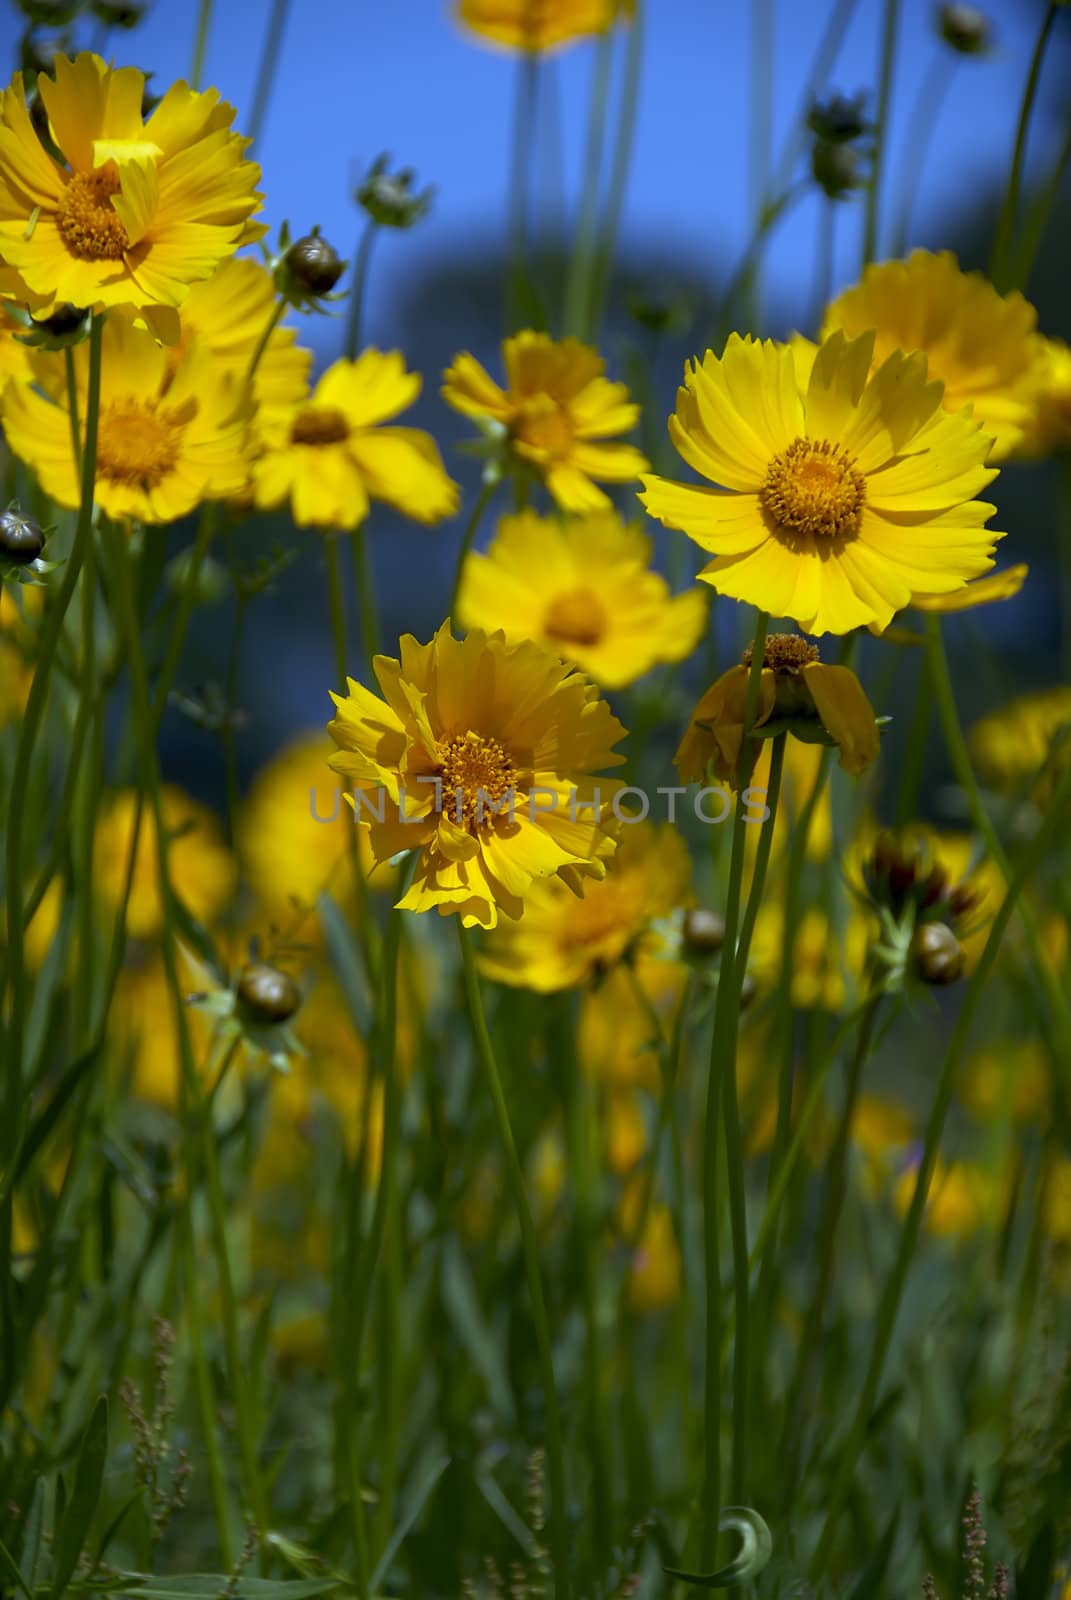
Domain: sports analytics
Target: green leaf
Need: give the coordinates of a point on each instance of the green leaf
(9, 1564)
(420, 1496)
(755, 1551)
(209, 1585)
(873, 1573)
(78, 1515)
(463, 1308)
(342, 950)
(32, 1530)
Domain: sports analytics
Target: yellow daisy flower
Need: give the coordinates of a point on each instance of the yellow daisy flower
(201, 865)
(841, 500)
(536, 25)
(586, 589)
(480, 757)
(816, 703)
(329, 456)
(293, 836)
(226, 316)
(1012, 744)
(561, 941)
(552, 416)
(139, 210)
(1049, 427)
(167, 440)
(981, 344)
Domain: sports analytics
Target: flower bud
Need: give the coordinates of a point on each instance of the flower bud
(938, 954)
(840, 119)
(67, 325)
(118, 13)
(314, 265)
(388, 197)
(21, 539)
(703, 931)
(267, 994)
(49, 13)
(836, 168)
(965, 28)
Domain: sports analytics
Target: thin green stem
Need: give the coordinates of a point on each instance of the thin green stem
(471, 528)
(1000, 260)
(762, 854)
(207, 1404)
(927, 107)
(762, 93)
(269, 61)
(277, 313)
(1038, 215)
(620, 166)
(367, 612)
(582, 260)
(16, 1102)
(823, 270)
(559, 1527)
(890, 30)
(359, 288)
(200, 44)
(847, 1458)
(206, 529)
(524, 113)
(914, 757)
(337, 606)
(825, 56)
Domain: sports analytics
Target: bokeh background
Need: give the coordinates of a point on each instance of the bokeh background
(357, 79)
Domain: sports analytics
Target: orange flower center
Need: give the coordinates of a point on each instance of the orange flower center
(814, 490)
(136, 444)
(319, 425)
(784, 652)
(475, 772)
(576, 616)
(545, 426)
(87, 221)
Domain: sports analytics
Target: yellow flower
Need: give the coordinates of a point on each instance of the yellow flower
(329, 455)
(554, 412)
(626, 1130)
(655, 1269)
(1049, 427)
(617, 1039)
(167, 441)
(1003, 585)
(201, 865)
(14, 357)
(144, 1033)
(585, 589)
(843, 499)
(139, 210)
(981, 345)
(882, 1130)
(293, 838)
(480, 757)
(561, 941)
(536, 24)
(817, 703)
(226, 316)
(828, 961)
(962, 1198)
(1013, 744)
(1012, 1080)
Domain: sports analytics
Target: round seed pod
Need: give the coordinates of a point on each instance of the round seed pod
(314, 265)
(965, 28)
(938, 954)
(21, 539)
(703, 931)
(266, 994)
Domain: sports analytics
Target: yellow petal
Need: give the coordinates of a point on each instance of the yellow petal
(1003, 585)
(846, 714)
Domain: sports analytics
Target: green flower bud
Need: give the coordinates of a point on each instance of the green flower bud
(266, 994)
(314, 265)
(21, 539)
(840, 119)
(966, 29)
(837, 168)
(118, 13)
(703, 931)
(938, 954)
(388, 198)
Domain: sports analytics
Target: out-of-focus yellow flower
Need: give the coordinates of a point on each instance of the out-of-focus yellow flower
(294, 833)
(201, 866)
(799, 774)
(480, 757)
(537, 25)
(813, 700)
(981, 345)
(167, 440)
(562, 941)
(962, 1198)
(1056, 1202)
(1049, 428)
(299, 1341)
(617, 1039)
(547, 1172)
(655, 1268)
(841, 499)
(329, 455)
(139, 210)
(626, 1130)
(586, 589)
(1012, 744)
(881, 1129)
(1012, 1080)
(553, 415)
(144, 1032)
(14, 357)
(828, 962)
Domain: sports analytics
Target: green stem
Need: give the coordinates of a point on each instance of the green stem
(472, 526)
(881, 138)
(207, 1404)
(822, 65)
(338, 609)
(367, 612)
(1037, 218)
(206, 529)
(277, 313)
(914, 757)
(200, 44)
(933, 87)
(999, 264)
(358, 289)
(762, 54)
(720, 1090)
(762, 854)
(524, 109)
(823, 272)
(578, 307)
(620, 165)
(559, 1528)
(17, 1104)
(849, 1453)
(269, 61)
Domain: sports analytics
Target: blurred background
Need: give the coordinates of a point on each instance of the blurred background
(402, 77)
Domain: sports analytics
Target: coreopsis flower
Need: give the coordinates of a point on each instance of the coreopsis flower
(137, 209)
(536, 25)
(169, 438)
(293, 833)
(798, 693)
(828, 959)
(1009, 1081)
(329, 454)
(226, 316)
(202, 868)
(655, 1267)
(916, 878)
(480, 757)
(1014, 743)
(561, 941)
(962, 1197)
(552, 417)
(981, 344)
(843, 496)
(586, 589)
(1049, 427)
